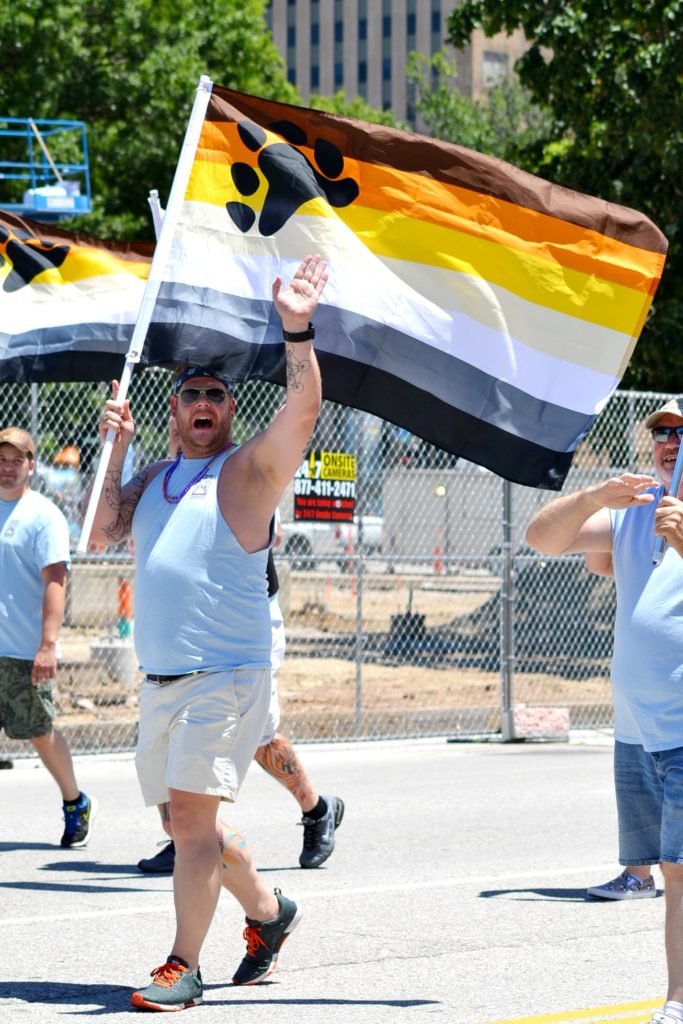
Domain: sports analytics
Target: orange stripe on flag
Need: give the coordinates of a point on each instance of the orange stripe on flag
(422, 197)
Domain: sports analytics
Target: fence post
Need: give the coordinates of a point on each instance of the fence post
(358, 573)
(507, 640)
(35, 412)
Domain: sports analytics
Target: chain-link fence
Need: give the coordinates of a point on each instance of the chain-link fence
(426, 615)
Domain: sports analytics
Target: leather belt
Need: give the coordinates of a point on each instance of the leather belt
(170, 679)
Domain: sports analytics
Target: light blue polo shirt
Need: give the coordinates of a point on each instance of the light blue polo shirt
(647, 664)
(33, 535)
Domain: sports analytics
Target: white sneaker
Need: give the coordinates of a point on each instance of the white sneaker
(659, 1017)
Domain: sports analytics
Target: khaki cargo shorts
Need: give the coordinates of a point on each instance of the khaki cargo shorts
(199, 733)
(26, 711)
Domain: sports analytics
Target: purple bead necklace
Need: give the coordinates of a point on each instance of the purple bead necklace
(174, 499)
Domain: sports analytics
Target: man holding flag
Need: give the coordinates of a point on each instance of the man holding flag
(614, 524)
(202, 527)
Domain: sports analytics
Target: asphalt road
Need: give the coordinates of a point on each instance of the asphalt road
(456, 893)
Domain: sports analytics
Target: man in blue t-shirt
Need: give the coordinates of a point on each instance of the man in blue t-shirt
(614, 524)
(34, 562)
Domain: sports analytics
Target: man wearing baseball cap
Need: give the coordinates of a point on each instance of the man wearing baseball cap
(202, 526)
(34, 562)
(614, 524)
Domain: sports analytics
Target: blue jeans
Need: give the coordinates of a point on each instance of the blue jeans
(649, 789)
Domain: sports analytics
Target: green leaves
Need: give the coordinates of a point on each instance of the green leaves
(129, 69)
(504, 124)
(610, 72)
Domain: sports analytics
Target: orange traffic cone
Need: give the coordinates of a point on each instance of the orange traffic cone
(438, 564)
(125, 596)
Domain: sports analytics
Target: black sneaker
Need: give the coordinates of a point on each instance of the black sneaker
(319, 835)
(78, 822)
(162, 863)
(264, 941)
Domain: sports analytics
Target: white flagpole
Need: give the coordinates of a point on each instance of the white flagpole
(161, 254)
(157, 212)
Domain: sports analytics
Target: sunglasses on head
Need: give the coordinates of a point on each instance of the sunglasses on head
(188, 396)
(662, 434)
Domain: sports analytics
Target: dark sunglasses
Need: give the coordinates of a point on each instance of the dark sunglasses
(662, 434)
(188, 396)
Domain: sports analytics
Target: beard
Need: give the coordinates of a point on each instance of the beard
(197, 440)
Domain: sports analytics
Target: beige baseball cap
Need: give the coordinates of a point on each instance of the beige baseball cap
(20, 439)
(674, 407)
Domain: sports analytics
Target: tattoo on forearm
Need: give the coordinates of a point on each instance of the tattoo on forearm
(122, 511)
(296, 368)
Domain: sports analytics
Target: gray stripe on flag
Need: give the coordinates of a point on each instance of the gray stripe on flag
(49, 341)
(351, 336)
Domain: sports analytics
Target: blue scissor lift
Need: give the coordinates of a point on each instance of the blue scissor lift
(53, 189)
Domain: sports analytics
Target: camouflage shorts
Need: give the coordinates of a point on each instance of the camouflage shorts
(26, 711)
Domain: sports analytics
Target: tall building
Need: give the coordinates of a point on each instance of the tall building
(361, 47)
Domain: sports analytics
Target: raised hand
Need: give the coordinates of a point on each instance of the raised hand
(624, 491)
(298, 301)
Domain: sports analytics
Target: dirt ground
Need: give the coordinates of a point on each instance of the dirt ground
(323, 692)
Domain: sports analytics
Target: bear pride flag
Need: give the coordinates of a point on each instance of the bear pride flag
(483, 309)
(479, 307)
(68, 303)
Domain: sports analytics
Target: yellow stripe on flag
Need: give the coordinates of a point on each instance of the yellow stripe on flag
(530, 275)
(396, 192)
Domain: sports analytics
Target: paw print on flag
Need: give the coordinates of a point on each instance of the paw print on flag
(27, 256)
(291, 178)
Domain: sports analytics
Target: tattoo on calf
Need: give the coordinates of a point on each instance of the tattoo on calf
(279, 760)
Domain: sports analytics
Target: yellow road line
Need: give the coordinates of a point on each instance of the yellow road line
(594, 1014)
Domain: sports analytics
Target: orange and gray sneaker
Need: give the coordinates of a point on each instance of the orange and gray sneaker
(175, 987)
(264, 941)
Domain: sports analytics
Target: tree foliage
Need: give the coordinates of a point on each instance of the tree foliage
(504, 123)
(129, 69)
(356, 108)
(611, 74)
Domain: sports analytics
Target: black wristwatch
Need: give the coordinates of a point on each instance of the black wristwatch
(307, 335)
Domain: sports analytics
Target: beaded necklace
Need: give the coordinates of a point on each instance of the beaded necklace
(173, 500)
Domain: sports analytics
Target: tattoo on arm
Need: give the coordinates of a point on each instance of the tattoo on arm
(122, 509)
(295, 370)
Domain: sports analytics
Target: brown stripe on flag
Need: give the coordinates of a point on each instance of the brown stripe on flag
(136, 251)
(451, 164)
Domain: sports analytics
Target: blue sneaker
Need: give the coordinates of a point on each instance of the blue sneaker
(78, 822)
